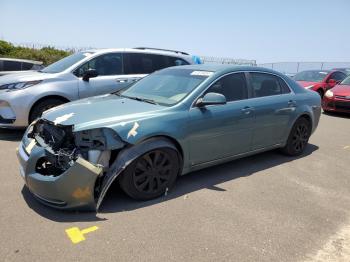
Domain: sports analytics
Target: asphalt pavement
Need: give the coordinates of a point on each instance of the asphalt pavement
(267, 207)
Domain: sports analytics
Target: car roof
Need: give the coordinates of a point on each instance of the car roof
(318, 70)
(138, 50)
(21, 60)
(219, 68)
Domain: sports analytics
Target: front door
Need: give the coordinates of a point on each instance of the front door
(220, 131)
(110, 77)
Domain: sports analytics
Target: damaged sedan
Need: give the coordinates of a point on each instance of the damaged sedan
(170, 123)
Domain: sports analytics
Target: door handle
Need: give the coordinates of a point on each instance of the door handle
(246, 110)
(121, 80)
(291, 103)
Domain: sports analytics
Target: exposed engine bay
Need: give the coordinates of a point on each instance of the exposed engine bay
(64, 147)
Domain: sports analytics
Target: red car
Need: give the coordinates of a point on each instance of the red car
(338, 98)
(319, 80)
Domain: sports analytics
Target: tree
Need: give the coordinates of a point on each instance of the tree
(47, 54)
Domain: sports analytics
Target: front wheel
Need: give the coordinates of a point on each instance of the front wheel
(42, 106)
(320, 92)
(298, 138)
(151, 175)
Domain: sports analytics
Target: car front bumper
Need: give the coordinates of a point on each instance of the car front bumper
(73, 189)
(14, 108)
(336, 104)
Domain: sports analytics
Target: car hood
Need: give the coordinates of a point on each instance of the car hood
(341, 90)
(102, 111)
(25, 76)
(307, 83)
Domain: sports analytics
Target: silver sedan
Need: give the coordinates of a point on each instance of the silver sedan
(25, 96)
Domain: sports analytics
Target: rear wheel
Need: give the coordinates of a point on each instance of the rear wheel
(320, 92)
(298, 138)
(42, 106)
(150, 175)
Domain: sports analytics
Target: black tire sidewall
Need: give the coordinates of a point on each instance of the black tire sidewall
(289, 149)
(126, 180)
(41, 107)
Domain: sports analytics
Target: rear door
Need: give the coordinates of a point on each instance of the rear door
(274, 107)
(220, 131)
(110, 77)
(138, 65)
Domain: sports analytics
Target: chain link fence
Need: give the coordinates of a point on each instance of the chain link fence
(295, 67)
(223, 60)
(204, 59)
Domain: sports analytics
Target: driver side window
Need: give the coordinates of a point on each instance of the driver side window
(232, 86)
(337, 76)
(107, 64)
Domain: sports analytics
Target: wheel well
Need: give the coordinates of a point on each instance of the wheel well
(320, 91)
(63, 99)
(308, 118)
(172, 140)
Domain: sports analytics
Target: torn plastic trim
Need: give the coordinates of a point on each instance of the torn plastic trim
(125, 157)
(64, 146)
(99, 139)
(73, 189)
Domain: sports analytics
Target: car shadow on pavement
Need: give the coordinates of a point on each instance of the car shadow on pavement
(209, 178)
(116, 201)
(337, 114)
(11, 134)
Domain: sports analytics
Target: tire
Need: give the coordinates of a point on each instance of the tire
(320, 92)
(298, 138)
(42, 106)
(151, 175)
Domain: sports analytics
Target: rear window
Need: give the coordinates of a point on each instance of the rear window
(311, 76)
(267, 85)
(175, 61)
(139, 63)
(27, 66)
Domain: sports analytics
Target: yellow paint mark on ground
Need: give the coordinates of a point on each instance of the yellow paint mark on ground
(76, 235)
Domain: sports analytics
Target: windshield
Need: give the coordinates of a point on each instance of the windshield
(66, 62)
(346, 81)
(311, 76)
(166, 87)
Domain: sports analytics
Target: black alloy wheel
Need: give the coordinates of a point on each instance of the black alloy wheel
(151, 174)
(298, 137)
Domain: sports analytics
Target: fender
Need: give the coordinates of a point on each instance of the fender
(126, 157)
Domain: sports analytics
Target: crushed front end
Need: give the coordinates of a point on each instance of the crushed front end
(65, 169)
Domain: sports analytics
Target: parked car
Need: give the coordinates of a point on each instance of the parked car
(345, 70)
(319, 80)
(24, 97)
(338, 98)
(170, 123)
(12, 65)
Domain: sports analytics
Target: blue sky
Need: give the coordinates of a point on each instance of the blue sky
(265, 30)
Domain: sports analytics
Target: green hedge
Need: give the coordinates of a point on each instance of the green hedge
(47, 55)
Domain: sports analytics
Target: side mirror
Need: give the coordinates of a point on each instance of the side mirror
(89, 74)
(211, 99)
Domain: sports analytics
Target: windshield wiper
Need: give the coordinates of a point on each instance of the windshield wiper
(150, 101)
